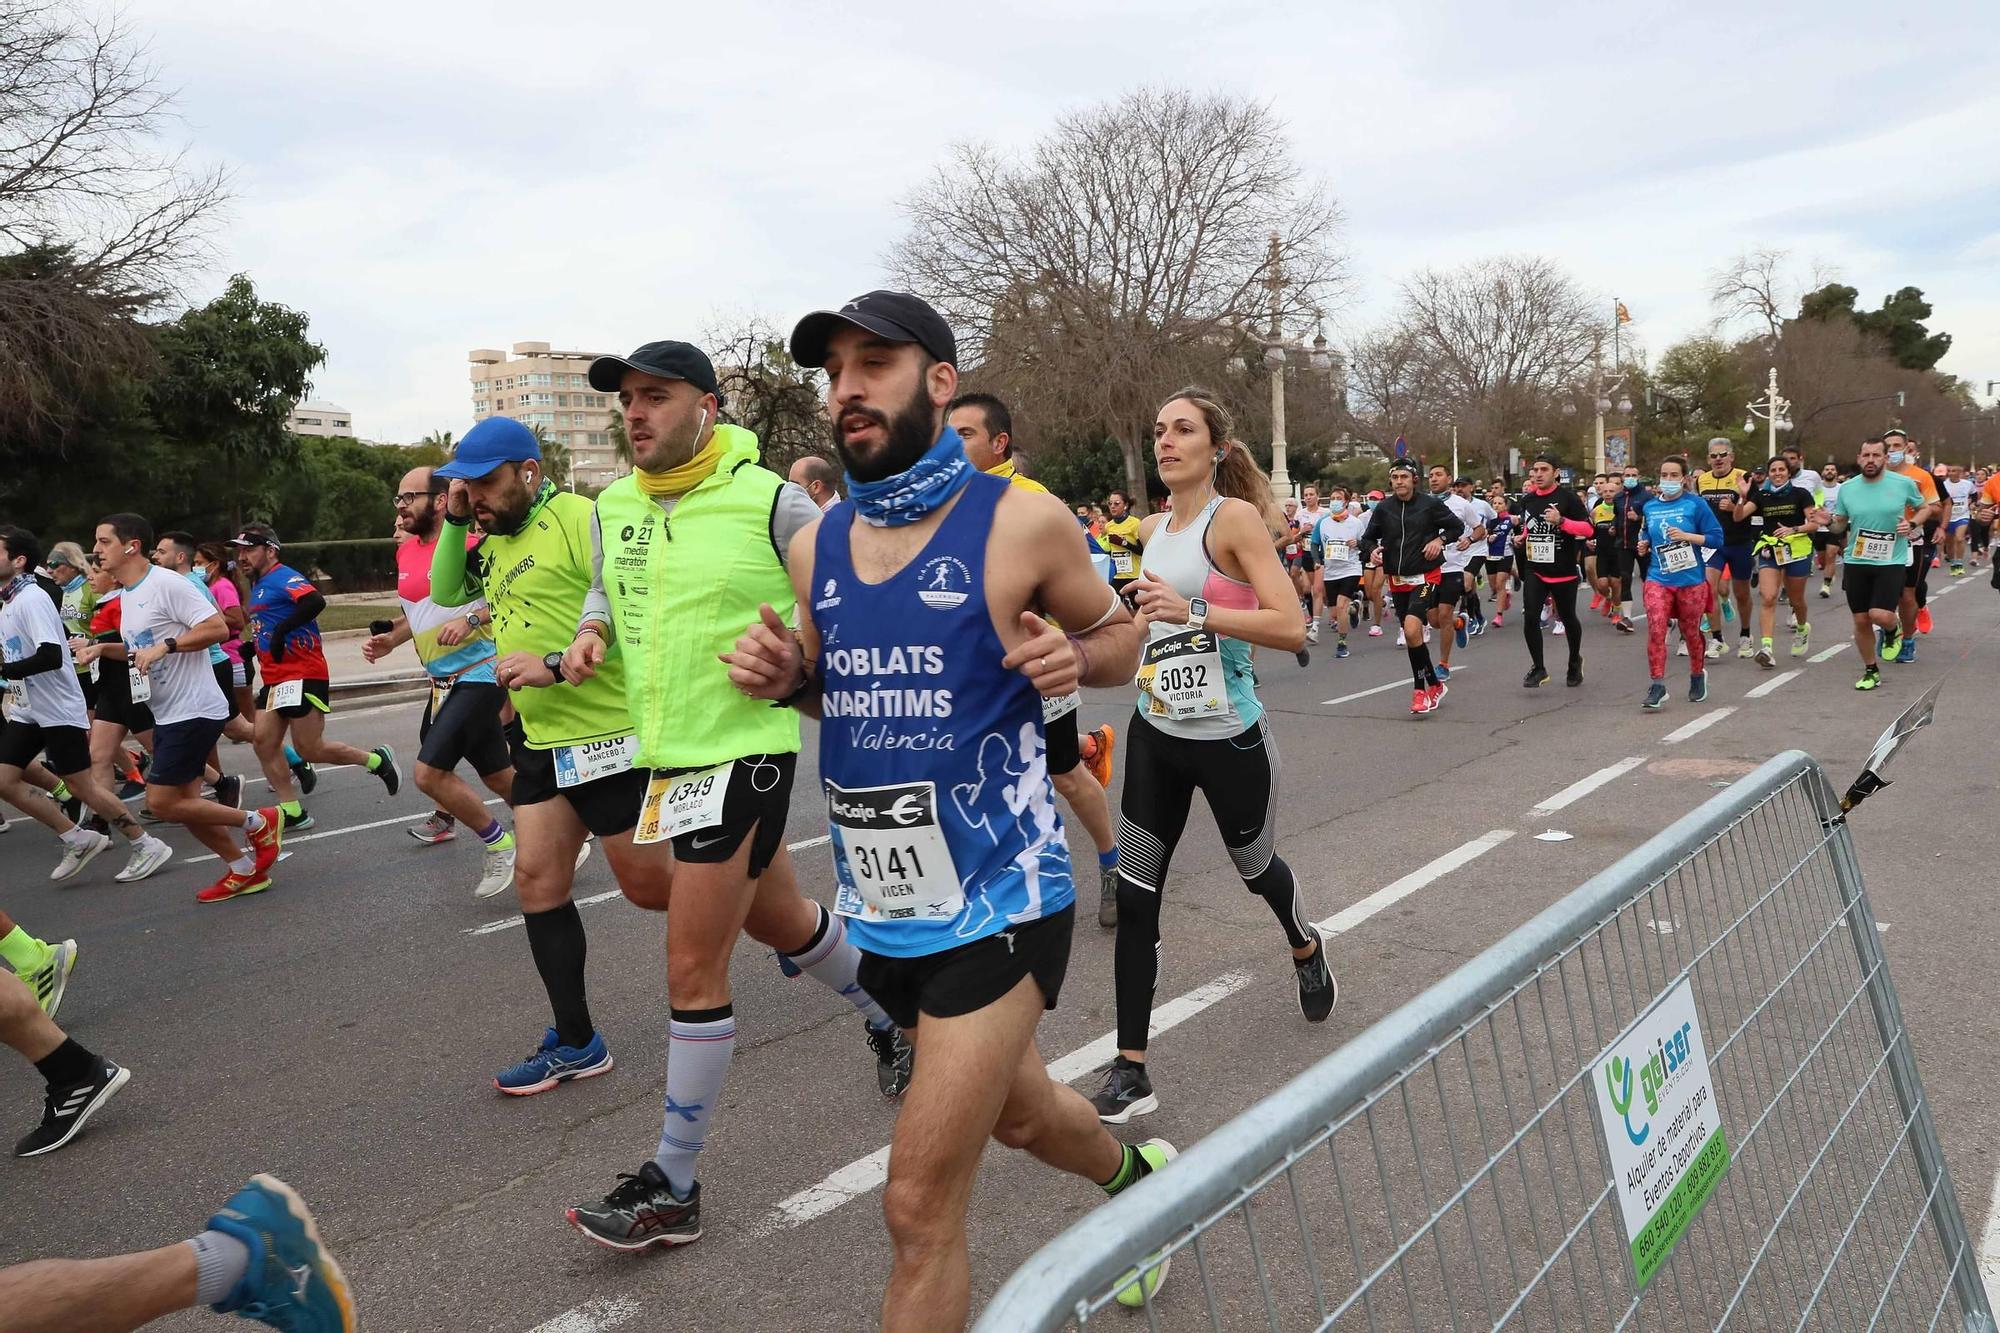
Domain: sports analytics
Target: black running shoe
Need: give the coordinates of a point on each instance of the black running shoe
(1305, 658)
(229, 791)
(1127, 1092)
(66, 1110)
(127, 789)
(391, 776)
(895, 1059)
(1656, 694)
(641, 1212)
(1318, 991)
(298, 823)
(1575, 676)
(1536, 678)
(1107, 896)
(306, 776)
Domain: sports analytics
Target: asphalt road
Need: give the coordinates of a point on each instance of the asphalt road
(340, 1030)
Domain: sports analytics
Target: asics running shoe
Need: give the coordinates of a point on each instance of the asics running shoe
(293, 1281)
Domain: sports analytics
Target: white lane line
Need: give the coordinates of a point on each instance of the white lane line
(1696, 727)
(509, 923)
(317, 768)
(1826, 653)
(1989, 1240)
(1772, 684)
(1348, 918)
(865, 1174)
(1583, 787)
(1384, 689)
(336, 832)
(593, 1316)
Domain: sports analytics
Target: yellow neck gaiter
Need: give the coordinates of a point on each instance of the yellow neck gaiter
(682, 479)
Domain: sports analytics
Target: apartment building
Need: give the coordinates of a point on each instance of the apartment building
(317, 418)
(540, 386)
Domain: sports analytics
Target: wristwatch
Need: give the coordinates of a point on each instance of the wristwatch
(1197, 612)
(553, 661)
(472, 619)
(173, 645)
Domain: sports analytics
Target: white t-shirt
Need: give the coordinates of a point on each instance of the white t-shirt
(1331, 537)
(161, 606)
(1960, 491)
(1309, 518)
(1828, 492)
(1456, 560)
(49, 698)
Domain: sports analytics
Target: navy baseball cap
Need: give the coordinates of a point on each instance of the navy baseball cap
(897, 316)
(667, 359)
(256, 534)
(487, 445)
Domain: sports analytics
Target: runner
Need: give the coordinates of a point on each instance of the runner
(819, 479)
(1500, 553)
(1405, 538)
(164, 625)
(1310, 515)
(1915, 608)
(1722, 484)
(1958, 490)
(78, 1081)
(1601, 552)
(213, 562)
(46, 717)
(1338, 539)
(461, 718)
(1778, 512)
(964, 917)
(1482, 516)
(1372, 581)
(67, 566)
(1826, 542)
(1450, 587)
(1675, 531)
(1631, 501)
(176, 551)
(284, 608)
(1121, 539)
(986, 426)
(684, 551)
(1877, 511)
(1550, 525)
(101, 652)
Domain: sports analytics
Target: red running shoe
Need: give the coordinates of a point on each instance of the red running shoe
(1420, 700)
(264, 842)
(233, 885)
(1923, 620)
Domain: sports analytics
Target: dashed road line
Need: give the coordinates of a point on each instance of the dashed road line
(1825, 654)
(1772, 685)
(1402, 684)
(1584, 786)
(337, 832)
(1696, 727)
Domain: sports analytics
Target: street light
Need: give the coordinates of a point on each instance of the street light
(1275, 349)
(1774, 408)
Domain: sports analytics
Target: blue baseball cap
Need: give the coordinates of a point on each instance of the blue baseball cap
(487, 445)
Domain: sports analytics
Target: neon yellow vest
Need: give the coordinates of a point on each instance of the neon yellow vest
(683, 587)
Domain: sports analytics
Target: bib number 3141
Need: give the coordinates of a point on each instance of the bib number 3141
(893, 858)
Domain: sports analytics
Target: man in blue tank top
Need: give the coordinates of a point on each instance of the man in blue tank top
(926, 664)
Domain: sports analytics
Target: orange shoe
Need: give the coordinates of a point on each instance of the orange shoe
(233, 885)
(264, 842)
(1923, 620)
(1099, 760)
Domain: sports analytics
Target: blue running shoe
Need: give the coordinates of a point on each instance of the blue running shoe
(293, 1282)
(1340, 649)
(1908, 652)
(1458, 632)
(1443, 673)
(553, 1063)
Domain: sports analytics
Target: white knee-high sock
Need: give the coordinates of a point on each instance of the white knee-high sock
(831, 960)
(700, 1043)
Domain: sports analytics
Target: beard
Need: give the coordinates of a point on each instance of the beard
(911, 433)
(1871, 470)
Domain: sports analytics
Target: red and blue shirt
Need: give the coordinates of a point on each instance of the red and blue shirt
(272, 601)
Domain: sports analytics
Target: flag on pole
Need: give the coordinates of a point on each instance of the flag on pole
(1624, 315)
(1402, 447)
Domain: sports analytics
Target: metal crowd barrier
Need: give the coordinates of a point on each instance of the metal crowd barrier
(1452, 1167)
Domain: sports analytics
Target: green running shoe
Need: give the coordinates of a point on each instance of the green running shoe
(1139, 1286)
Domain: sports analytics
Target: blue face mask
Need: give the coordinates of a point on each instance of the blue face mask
(926, 486)
(1631, 483)
(201, 572)
(1895, 458)
(1670, 488)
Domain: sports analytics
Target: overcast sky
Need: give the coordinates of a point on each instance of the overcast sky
(424, 179)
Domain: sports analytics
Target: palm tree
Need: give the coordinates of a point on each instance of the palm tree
(555, 456)
(621, 443)
(442, 441)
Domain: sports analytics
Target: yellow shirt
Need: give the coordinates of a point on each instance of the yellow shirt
(1121, 541)
(1013, 478)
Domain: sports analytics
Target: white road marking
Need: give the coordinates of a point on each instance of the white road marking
(1989, 1240)
(1583, 787)
(1168, 1016)
(1384, 689)
(317, 768)
(593, 1316)
(1349, 917)
(1825, 653)
(1772, 684)
(1696, 727)
(509, 923)
(337, 832)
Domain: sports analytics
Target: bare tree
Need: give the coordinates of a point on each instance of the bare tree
(1392, 391)
(98, 215)
(1128, 252)
(1498, 340)
(1755, 286)
(765, 391)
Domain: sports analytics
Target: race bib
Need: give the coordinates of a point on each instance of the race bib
(1059, 705)
(578, 764)
(1874, 547)
(1405, 582)
(1336, 549)
(17, 696)
(1123, 565)
(96, 670)
(440, 691)
(1181, 675)
(142, 687)
(284, 694)
(1292, 550)
(676, 805)
(1541, 550)
(889, 842)
(1677, 558)
(1756, 520)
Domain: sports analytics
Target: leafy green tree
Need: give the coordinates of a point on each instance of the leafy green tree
(555, 456)
(1899, 323)
(443, 442)
(621, 443)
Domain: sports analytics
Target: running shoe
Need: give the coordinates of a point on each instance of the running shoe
(229, 791)
(1107, 896)
(1697, 687)
(552, 1063)
(1718, 648)
(1477, 627)
(293, 1281)
(1745, 650)
(1536, 678)
(130, 787)
(66, 1110)
(1889, 643)
(1559, 628)
(1305, 658)
(1728, 609)
(1623, 626)
(439, 827)
(51, 979)
(1957, 570)
(148, 855)
(1318, 991)
(1923, 620)
(1140, 1285)
(146, 816)
(1443, 672)
(642, 1211)
(1400, 641)
(582, 855)
(1374, 631)
(1656, 695)
(77, 855)
(1437, 694)
(233, 885)
(92, 823)
(1126, 1092)
(1420, 701)
(1100, 759)
(264, 843)
(496, 873)
(1681, 651)
(1340, 649)
(1458, 634)
(1801, 639)
(1907, 653)
(392, 777)
(1826, 587)
(1765, 658)
(895, 1059)
(1499, 620)
(300, 822)
(1312, 633)
(1427, 634)
(305, 775)
(1871, 676)
(1597, 601)
(1574, 676)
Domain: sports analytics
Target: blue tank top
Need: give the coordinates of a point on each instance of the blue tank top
(944, 823)
(1496, 543)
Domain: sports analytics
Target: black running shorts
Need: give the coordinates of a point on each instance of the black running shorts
(608, 806)
(67, 748)
(1872, 587)
(755, 806)
(968, 978)
(466, 725)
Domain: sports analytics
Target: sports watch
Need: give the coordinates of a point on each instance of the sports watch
(1197, 612)
(553, 661)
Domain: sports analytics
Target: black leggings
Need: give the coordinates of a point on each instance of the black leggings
(1239, 777)
(1534, 594)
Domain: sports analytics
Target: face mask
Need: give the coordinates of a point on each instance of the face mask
(201, 572)
(1670, 488)
(1895, 458)
(1631, 483)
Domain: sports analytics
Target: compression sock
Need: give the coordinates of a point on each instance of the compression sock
(699, 1045)
(832, 960)
(220, 1261)
(67, 1065)
(1132, 1169)
(495, 834)
(60, 792)
(1420, 663)
(293, 759)
(557, 941)
(23, 952)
